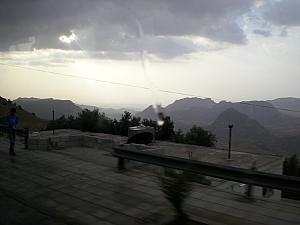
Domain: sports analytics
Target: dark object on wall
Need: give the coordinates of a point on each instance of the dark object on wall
(140, 135)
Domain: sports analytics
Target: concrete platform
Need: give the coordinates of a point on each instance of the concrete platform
(80, 185)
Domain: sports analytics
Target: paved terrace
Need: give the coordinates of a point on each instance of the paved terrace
(73, 138)
(80, 185)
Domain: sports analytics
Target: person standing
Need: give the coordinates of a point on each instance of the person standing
(12, 122)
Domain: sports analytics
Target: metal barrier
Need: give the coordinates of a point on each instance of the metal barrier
(20, 132)
(246, 176)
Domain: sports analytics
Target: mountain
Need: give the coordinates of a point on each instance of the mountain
(27, 119)
(203, 112)
(109, 112)
(185, 112)
(266, 114)
(187, 103)
(43, 107)
(189, 111)
(287, 103)
(150, 112)
(262, 111)
(250, 136)
(258, 125)
(247, 134)
(244, 126)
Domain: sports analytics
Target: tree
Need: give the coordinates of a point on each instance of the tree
(149, 123)
(72, 123)
(291, 166)
(166, 131)
(94, 121)
(59, 123)
(115, 127)
(199, 136)
(179, 137)
(88, 120)
(125, 123)
(135, 121)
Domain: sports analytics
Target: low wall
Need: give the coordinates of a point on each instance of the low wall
(66, 141)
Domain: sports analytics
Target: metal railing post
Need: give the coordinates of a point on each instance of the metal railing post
(121, 163)
(230, 134)
(26, 137)
(53, 122)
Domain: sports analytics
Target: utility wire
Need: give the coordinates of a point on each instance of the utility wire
(142, 87)
(75, 76)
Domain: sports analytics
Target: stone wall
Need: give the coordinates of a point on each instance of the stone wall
(67, 141)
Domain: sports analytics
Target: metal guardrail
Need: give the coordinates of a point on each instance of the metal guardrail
(20, 132)
(246, 176)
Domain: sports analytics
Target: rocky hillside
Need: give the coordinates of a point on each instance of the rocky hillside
(292, 104)
(247, 132)
(258, 125)
(189, 111)
(27, 119)
(43, 107)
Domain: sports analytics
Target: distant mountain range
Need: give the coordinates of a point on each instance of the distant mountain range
(43, 108)
(247, 133)
(109, 112)
(287, 103)
(258, 125)
(189, 111)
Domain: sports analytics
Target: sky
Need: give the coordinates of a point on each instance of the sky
(125, 52)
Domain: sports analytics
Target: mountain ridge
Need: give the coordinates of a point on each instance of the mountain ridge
(264, 127)
(201, 114)
(43, 107)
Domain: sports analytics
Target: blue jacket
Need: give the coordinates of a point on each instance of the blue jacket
(12, 121)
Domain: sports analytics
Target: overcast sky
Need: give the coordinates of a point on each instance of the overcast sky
(227, 49)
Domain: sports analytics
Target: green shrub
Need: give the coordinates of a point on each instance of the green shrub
(95, 121)
(199, 136)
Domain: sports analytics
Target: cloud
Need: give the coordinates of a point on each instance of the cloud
(43, 57)
(105, 25)
(26, 46)
(283, 13)
(264, 33)
(284, 32)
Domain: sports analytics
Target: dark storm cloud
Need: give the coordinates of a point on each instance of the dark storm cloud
(264, 33)
(285, 12)
(114, 25)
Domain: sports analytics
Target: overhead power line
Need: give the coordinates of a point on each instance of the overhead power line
(75, 76)
(142, 87)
